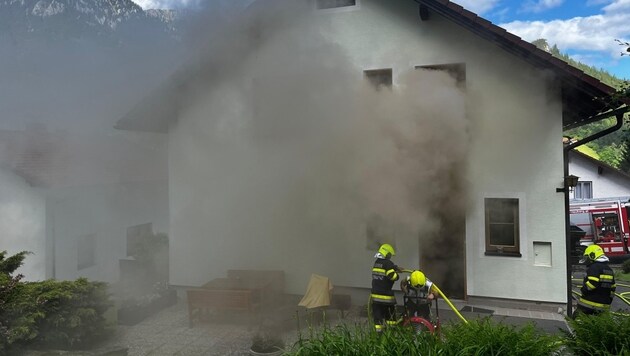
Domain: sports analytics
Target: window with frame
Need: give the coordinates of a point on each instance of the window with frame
(583, 190)
(379, 78)
(455, 70)
(502, 227)
(331, 4)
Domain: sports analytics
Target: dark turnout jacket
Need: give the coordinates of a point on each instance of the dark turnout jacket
(598, 287)
(384, 274)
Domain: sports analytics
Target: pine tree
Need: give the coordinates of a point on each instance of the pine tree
(613, 149)
(542, 44)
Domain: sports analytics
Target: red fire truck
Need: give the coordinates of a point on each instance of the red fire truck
(604, 222)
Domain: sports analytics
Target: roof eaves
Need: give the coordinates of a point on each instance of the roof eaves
(483, 22)
(523, 48)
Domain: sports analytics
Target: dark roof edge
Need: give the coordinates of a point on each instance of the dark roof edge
(514, 44)
(458, 15)
(603, 115)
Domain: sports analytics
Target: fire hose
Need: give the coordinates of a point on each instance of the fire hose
(434, 286)
(623, 296)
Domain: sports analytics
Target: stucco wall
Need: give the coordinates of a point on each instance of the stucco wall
(22, 222)
(605, 185)
(515, 151)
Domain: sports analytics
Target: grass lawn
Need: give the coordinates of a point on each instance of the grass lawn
(622, 277)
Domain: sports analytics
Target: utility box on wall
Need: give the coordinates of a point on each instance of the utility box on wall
(542, 253)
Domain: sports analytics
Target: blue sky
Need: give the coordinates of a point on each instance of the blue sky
(585, 29)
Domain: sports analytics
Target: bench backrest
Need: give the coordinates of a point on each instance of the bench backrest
(276, 277)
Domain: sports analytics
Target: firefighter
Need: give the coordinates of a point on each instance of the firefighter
(419, 293)
(599, 283)
(384, 274)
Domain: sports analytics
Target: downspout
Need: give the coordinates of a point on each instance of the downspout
(565, 189)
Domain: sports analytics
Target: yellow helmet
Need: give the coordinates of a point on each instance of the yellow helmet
(417, 279)
(387, 250)
(592, 253)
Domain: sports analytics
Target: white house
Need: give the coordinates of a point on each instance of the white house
(283, 156)
(596, 178)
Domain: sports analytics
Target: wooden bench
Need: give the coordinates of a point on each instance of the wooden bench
(273, 279)
(243, 290)
(202, 300)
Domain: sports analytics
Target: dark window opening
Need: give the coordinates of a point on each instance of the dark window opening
(379, 78)
(456, 70)
(502, 227)
(331, 4)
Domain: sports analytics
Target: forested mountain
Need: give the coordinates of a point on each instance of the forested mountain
(113, 20)
(79, 63)
(613, 149)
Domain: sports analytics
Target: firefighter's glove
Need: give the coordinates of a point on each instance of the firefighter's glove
(428, 284)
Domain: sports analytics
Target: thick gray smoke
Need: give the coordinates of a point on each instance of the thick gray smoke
(287, 145)
(66, 172)
(290, 146)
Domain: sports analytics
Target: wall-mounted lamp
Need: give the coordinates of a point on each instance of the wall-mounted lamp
(570, 181)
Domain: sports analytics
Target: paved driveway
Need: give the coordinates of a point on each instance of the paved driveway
(167, 333)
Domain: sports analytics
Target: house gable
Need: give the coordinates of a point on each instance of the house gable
(583, 96)
(603, 180)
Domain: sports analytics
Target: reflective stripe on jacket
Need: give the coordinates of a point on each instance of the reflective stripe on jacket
(384, 274)
(598, 287)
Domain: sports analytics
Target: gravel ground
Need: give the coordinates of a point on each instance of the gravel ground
(168, 333)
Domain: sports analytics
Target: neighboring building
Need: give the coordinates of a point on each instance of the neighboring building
(596, 179)
(515, 94)
(73, 189)
(23, 222)
(73, 200)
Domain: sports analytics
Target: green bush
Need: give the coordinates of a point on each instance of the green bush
(625, 267)
(475, 338)
(49, 314)
(605, 334)
(363, 340)
(15, 325)
(72, 312)
(483, 337)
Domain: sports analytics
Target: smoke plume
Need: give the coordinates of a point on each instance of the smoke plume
(289, 144)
